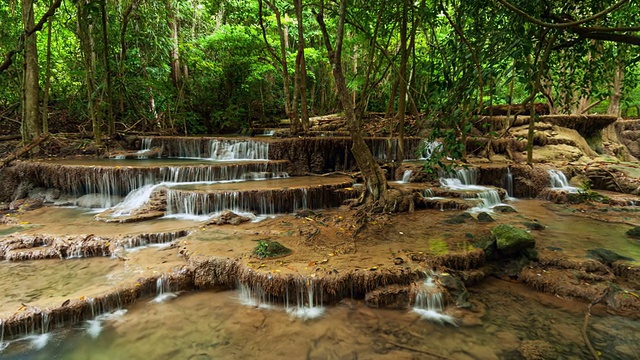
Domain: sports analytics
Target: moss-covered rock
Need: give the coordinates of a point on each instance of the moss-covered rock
(484, 217)
(270, 249)
(512, 241)
(458, 219)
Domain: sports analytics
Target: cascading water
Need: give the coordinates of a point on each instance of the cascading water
(465, 180)
(428, 148)
(507, 182)
(559, 181)
(429, 303)
(145, 148)
(306, 302)
(163, 290)
(228, 150)
(406, 176)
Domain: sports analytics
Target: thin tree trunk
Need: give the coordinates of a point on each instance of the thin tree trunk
(392, 99)
(111, 124)
(402, 93)
(88, 56)
(301, 68)
(31, 109)
(47, 81)
(174, 54)
(280, 60)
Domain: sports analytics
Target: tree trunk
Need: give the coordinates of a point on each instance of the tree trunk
(111, 124)
(31, 109)
(174, 54)
(392, 99)
(374, 179)
(281, 59)
(301, 69)
(402, 93)
(47, 81)
(616, 96)
(88, 56)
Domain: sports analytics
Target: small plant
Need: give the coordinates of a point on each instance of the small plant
(270, 249)
(586, 194)
(262, 249)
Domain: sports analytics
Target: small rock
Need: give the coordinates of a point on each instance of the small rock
(459, 219)
(398, 261)
(533, 225)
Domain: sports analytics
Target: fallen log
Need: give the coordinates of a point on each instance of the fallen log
(25, 149)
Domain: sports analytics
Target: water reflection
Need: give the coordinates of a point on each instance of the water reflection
(209, 325)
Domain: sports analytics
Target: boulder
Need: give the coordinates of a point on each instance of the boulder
(484, 217)
(229, 217)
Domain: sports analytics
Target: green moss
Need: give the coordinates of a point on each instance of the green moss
(438, 247)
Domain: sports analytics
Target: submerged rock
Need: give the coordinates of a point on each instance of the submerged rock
(537, 350)
(512, 241)
(634, 233)
(484, 217)
(533, 225)
(459, 219)
(606, 256)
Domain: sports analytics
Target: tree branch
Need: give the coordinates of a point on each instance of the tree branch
(533, 20)
(8, 58)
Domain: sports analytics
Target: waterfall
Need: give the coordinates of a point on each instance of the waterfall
(406, 176)
(559, 181)
(145, 148)
(429, 303)
(308, 302)
(465, 180)
(134, 200)
(465, 176)
(227, 150)
(507, 182)
(428, 148)
(163, 290)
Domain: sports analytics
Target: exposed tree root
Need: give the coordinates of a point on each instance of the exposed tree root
(587, 315)
(426, 352)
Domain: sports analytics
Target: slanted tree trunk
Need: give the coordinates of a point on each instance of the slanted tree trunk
(374, 179)
(30, 107)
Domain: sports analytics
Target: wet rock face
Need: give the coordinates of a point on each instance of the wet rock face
(391, 297)
(511, 241)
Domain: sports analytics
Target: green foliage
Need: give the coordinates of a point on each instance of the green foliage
(586, 194)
